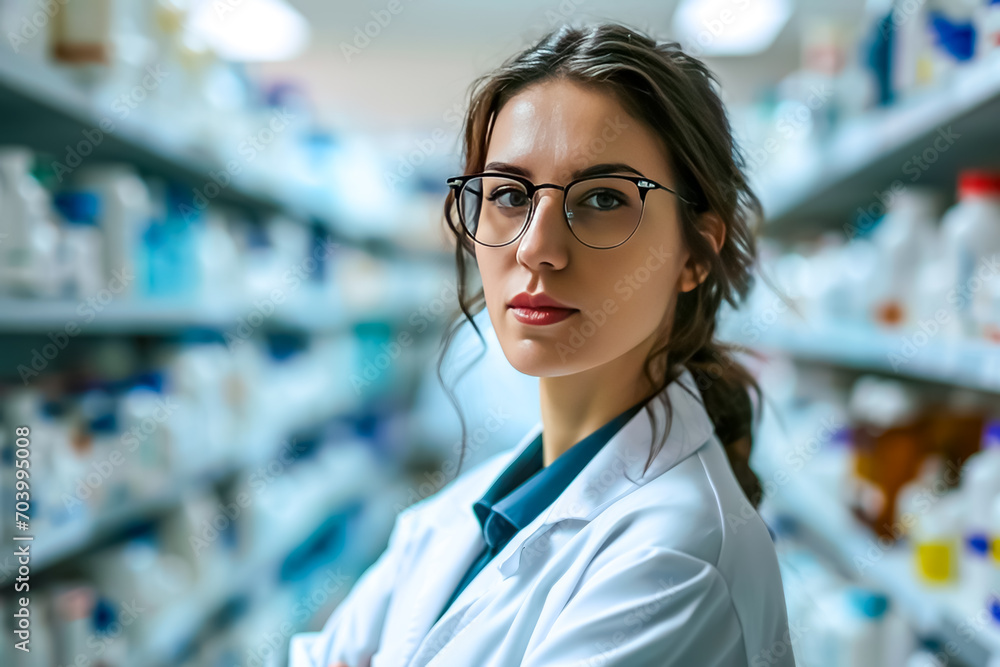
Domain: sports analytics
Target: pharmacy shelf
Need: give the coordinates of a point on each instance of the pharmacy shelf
(163, 316)
(78, 537)
(956, 124)
(46, 108)
(178, 626)
(934, 612)
(83, 536)
(958, 362)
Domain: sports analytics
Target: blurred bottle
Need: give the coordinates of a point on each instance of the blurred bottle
(911, 49)
(980, 489)
(988, 29)
(917, 494)
(169, 243)
(970, 240)
(83, 255)
(994, 559)
(29, 238)
(952, 25)
(146, 436)
(889, 442)
(28, 38)
(83, 32)
(219, 263)
(854, 628)
(124, 216)
(936, 539)
(905, 240)
(981, 478)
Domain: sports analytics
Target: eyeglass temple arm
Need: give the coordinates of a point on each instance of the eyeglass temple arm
(652, 185)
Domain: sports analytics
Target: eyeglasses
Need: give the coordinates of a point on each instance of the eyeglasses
(601, 211)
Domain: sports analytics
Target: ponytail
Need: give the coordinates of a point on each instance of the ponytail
(727, 401)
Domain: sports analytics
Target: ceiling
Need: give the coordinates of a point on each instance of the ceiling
(420, 63)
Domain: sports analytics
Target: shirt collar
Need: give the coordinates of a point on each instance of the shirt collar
(526, 488)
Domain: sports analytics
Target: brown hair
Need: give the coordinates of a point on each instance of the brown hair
(674, 95)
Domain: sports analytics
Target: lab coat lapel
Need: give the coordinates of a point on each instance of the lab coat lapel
(609, 475)
(450, 558)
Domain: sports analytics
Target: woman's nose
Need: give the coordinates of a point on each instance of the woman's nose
(547, 237)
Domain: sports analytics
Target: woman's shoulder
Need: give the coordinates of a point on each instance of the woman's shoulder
(696, 507)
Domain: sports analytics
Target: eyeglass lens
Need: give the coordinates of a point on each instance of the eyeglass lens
(602, 211)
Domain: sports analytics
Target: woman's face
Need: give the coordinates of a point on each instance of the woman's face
(622, 296)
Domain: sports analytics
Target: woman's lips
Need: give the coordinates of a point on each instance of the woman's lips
(541, 315)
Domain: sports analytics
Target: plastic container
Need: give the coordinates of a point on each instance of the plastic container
(970, 237)
(83, 32)
(936, 539)
(905, 238)
(915, 494)
(82, 241)
(29, 252)
(981, 478)
(994, 557)
(125, 214)
(852, 629)
(951, 23)
(988, 29)
(890, 444)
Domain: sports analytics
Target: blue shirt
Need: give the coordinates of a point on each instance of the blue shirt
(526, 488)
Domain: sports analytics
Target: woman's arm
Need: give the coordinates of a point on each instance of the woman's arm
(353, 632)
(647, 607)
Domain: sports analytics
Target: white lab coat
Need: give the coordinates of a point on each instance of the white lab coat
(676, 569)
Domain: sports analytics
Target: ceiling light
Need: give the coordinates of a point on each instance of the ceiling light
(251, 30)
(729, 27)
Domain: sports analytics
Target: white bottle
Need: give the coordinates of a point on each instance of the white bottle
(125, 213)
(988, 29)
(994, 586)
(851, 623)
(904, 238)
(912, 497)
(29, 244)
(82, 242)
(970, 246)
(981, 478)
(219, 261)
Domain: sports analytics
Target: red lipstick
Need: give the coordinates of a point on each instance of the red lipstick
(539, 309)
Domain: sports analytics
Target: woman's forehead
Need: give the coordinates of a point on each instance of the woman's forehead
(566, 126)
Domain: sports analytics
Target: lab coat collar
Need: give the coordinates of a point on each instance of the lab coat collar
(617, 469)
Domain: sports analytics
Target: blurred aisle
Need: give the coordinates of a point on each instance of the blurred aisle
(224, 281)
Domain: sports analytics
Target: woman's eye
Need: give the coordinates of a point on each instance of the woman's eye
(603, 199)
(509, 197)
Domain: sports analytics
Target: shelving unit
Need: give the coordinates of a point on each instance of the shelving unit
(179, 625)
(43, 107)
(934, 612)
(81, 536)
(925, 140)
(866, 156)
(152, 316)
(963, 363)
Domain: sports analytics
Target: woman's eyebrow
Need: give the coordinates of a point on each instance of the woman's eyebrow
(593, 170)
(606, 168)
(508, 168)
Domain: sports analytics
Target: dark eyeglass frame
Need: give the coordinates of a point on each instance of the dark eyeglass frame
(645, 185)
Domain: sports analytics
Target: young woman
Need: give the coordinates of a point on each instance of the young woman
(604, 205)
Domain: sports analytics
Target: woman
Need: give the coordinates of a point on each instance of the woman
(605, 207)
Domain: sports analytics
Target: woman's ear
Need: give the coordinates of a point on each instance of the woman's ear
(713, 229)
